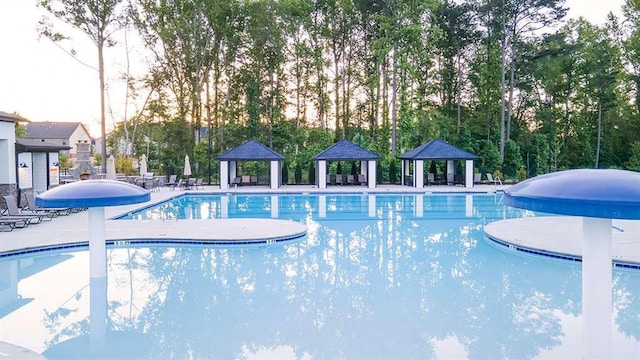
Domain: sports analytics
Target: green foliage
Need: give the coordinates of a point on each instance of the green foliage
(312, 173)
(393, 175)
(124, 165)
(97, 159)
(489, 157)
(521, 174)
(512, 159)
(634, 160)
(298, 173)
(63, 162)
(20, 131)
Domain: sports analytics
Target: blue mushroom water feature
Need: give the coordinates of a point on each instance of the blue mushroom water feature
(95, 195)
(598, 196)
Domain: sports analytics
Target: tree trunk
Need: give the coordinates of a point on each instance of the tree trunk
(103, 127)
(599, 133)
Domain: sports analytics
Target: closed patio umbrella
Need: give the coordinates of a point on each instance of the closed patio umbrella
(187, 167)
(111, 168)
(143, 165)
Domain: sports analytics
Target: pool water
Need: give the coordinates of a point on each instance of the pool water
(376, 277)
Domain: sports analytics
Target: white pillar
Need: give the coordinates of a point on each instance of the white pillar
(468, 174)
(97, 248)
(418, 174)
(322, 174)
(450, 172)
(403, 165)
(596, 288)
(233, 169)
(371, 177)
(275, 176)
(224, 175)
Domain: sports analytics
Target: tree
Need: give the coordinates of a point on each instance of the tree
(98, 19)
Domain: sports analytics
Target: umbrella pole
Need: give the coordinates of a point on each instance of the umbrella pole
(596, 288)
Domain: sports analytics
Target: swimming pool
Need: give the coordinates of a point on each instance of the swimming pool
(377, 276)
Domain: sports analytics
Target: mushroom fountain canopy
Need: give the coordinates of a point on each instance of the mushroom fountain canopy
(93, 193)
(598, 193)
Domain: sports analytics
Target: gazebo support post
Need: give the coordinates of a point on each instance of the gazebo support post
(596, 288)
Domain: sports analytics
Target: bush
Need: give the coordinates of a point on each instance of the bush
(285, 173)
(312, 173)
(298, 173)
(521, 174)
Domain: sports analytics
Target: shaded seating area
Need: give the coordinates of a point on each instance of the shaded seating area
(345, 150)
(250, 151)
(413, 169)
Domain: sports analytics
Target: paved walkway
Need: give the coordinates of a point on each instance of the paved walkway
(561, 236)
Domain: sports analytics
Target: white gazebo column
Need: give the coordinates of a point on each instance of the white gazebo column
(468, 173)
(322, 174)
(450, 172)
(418, 174)
(233, 169)
(403, 165)
(224, 175)
(596, 288)
(405, 171)
(275, 182)
(371, 176)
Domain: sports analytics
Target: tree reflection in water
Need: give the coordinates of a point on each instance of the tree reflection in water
(388, 286)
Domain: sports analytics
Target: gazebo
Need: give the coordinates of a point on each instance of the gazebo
(345, 150)
(251, 150)
(436, 150)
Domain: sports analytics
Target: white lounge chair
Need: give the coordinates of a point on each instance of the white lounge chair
(493, 180)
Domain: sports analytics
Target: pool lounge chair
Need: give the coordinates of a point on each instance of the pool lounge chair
(12, 210)
(11, 222)
(493, 180)
(35, 209)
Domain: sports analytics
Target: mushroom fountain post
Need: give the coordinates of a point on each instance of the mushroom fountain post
(598, 196)
(95, 195)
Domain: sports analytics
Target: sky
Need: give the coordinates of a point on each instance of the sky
(42, 83)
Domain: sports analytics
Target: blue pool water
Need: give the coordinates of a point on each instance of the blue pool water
(376, 277)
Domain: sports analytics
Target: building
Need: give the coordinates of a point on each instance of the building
(60, 133)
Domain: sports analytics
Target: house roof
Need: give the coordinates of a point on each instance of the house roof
(34, 146)
(251, 150)
(437, 149)
(6, 117)
(345, 150)
(52, 130)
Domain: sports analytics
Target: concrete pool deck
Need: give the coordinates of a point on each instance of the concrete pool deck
(557, 235)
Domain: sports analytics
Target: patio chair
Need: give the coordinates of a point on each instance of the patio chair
(245, 180)
(13, 211)
(493, 180)
(172, 181)
(431, 178)
(362, 179)
(477, 178)
(254, 180)
(328, 179)
(32, 207)
(350, 179)
(338, 179)
(236, 181)
(199, 185)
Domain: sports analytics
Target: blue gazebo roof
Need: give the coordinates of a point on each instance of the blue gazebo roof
(607, 194)
(437, 150)
(345, 150)
(251, 150)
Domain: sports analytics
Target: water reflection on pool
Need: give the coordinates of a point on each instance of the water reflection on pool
(378, 276)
